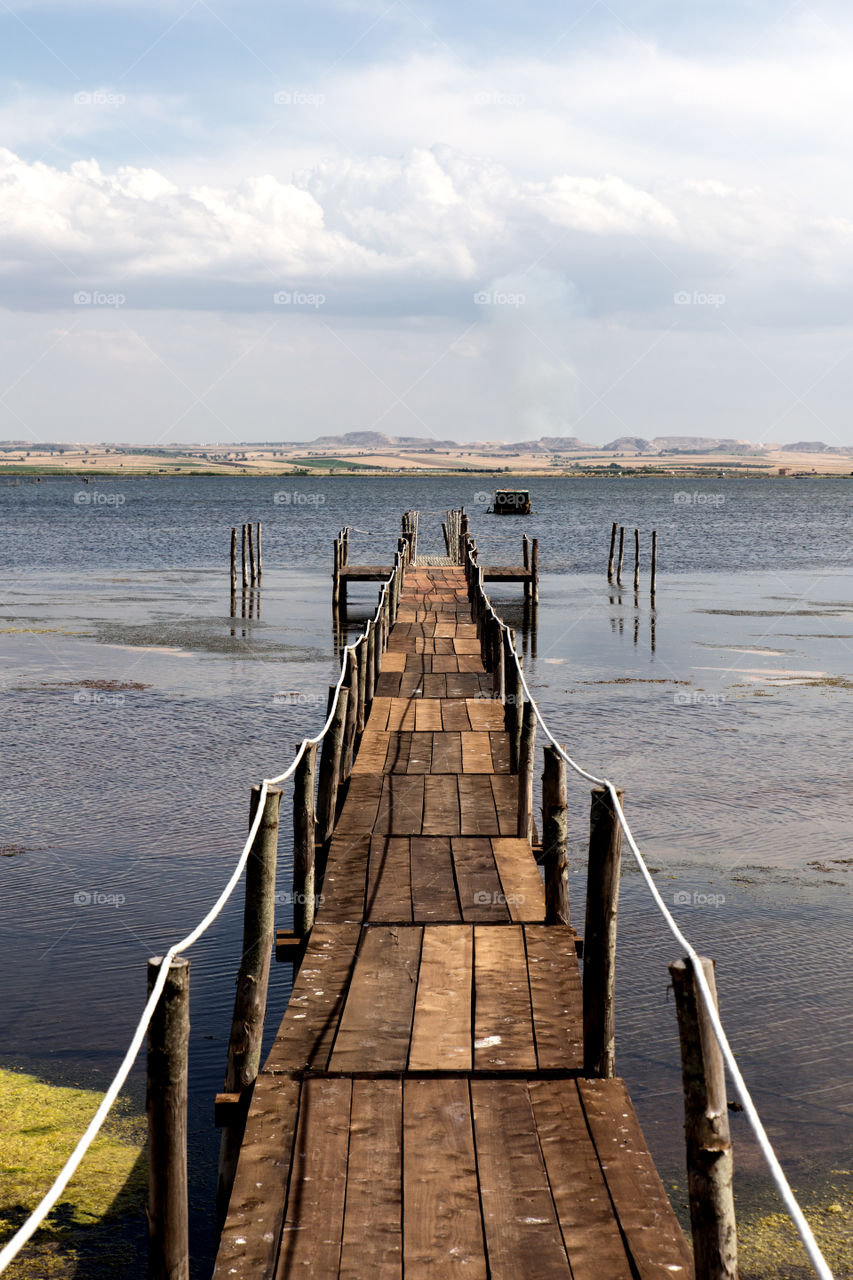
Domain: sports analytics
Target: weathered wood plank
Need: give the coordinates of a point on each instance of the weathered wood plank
(476, 753)
(442, 1227)
(441, 805)
(373, 1217)
(400, 812)
(505, 793)
(481, 895)
(376, 1024)
(441, 1032)
(555, 995)
(372, 752)
(503, 1022)
(477, 806)
(344, 884)
(361, 805)
(307, 1031)
(428, 714)
(433, 884)
(454, 715)
(485, 714)
(389, 881)
(446, 753)
(520, 878)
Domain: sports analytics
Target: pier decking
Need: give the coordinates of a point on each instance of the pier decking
(422, 1112)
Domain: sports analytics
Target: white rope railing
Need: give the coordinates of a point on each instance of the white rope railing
(13, 1246)
(786, 1193)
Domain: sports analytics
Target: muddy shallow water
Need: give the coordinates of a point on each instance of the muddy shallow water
(137, 712)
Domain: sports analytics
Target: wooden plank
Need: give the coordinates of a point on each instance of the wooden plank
(477, 806)
(485, 714)
(520, 878)
(433, 884)
(379, 708)
(500, 751)
(345, 882)
(655, 1241)
(401, 714)
(372, 752)
(420, 753)
(249, 1242)
(400, 812)
(313, 1226)
(361, 805)
(590, 1231)
(441, 805)
(481, 896)
(446, 753)
(503, 1024)
(505, 794)
(392, 661)
(454, 715)
(411, 686)
(441, 1031)
(523, 1237)
(435, 686)
(466, 644)
(428, 714)
(442, 663)
(389, 881)
(376, 1024)
(556, 997)
(469, 665)
(476, 753)
(399, 749)
(465, 685)
(373, 1217)
(442, 1227)
(307, 1031)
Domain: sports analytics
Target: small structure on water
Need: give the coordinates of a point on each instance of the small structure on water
(510, 502)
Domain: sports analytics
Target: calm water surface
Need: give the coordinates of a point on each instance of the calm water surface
(724, 711)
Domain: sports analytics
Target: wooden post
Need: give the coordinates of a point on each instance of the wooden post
(534, 569)
(351, 682)
(555, 837)
(361, 659)
(336, 577)
(706, 1128)
(345, 545)
(166, 1104)
(250, 1000)
(304, 838)
(653, 580)
(610, 558)
(233, 563)
(331, 753)
(599, 946)
(498, 660)
(525, 557)
(253, 573)
(260, 560)
(370, 665)
(512, 703)
(621, 554)
(636, 559)
(526, 759)
(245, 562)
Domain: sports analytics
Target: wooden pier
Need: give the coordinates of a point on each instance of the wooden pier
(423, 1112)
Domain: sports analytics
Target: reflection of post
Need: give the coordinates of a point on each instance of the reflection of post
(636, 628)
(652, 630)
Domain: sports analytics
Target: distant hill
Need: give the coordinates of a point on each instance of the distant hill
(628, 444)
(378, 440)
(809, 446)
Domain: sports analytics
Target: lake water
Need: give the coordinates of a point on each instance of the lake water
(724, 711)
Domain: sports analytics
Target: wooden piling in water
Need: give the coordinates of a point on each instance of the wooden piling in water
(534, 571)
(331, 753)
(636, 559)
(245, 561)
(525, 560)
(233, 562)
(599, 947)
(304, 842)
(250, 1000)
(166, 1104)
(555, 837)
(612, 554)
(706, 1128)
(253, 573)
(654, 565)
(260, 558)
(526, 760)
(336, 576)
(621, 554)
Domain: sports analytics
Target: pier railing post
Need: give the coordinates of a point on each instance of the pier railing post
(331, 753)
(526, 760)
(166, 1104)
(498, 661)
(555, 837)
(599, 944)
(250, 999)
(514, 697)
(336, 577)
(361, 686)
(706, 1128)
(370, 665)
(351, 681)
(304, 842)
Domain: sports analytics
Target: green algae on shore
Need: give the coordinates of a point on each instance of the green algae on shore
(98, 1227)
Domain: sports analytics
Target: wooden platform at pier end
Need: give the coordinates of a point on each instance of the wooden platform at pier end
(421, 1114)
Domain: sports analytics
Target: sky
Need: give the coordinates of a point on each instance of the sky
(226, 221)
